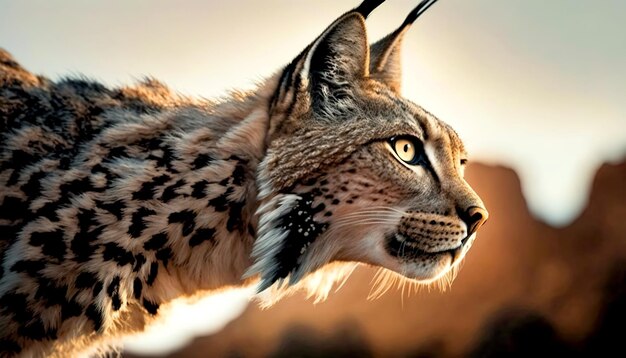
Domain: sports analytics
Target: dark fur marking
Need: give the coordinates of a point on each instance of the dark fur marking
(156, 242)
(17, 303)
(86, 218)
(76, 187)
(18, 161)
(113, 291)
(138, 225)
(97, 287)
(185, 217)
(81, 244)
(115, 252)
(235, 220)
(13, 208)
(169, 193)
(164, 255)
(50, 293)
(137, 287)
(117, 152)
(114, 208)
(152, 275)
(9, 346)
(198, 189)
(303, 230)
(52, 243)
(139, 261)
(202, 235)
(93, 313)
(239, 174)
(30, 267)
(220, 203)
(32, 188)
(151, 307)
(36, 331)
(146, 192)
(70, 308)
(201, 161)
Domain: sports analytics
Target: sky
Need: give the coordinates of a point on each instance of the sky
(539, 86)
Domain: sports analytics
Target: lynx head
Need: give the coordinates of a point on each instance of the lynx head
(354, 172)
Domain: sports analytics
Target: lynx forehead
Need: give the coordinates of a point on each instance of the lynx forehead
(114, 202)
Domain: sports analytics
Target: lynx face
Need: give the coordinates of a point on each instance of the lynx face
(355, 172)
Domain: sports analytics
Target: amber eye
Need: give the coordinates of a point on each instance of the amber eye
(405, 149)
(409, 149)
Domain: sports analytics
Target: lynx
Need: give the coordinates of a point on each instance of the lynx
(114, 202)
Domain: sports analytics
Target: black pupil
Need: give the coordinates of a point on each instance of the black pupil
(406, 148)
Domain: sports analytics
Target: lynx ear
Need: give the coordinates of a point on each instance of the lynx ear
(337, 59)
(385, 65)
(329, 67)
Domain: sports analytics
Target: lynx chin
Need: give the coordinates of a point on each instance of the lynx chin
(114, 202)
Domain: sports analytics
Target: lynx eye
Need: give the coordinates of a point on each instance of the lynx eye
(410, 150)
(405, 149)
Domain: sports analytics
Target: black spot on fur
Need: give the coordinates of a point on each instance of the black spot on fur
(201, 161)
(117, 152)
(9, 346)
(86, 218)
(81, 245)
(170, 193)
(156, 241)
(198, 189)
(137, 287)
(235, 217)
(97, 287)
(32, 188)
(113, 291)
(202, 235)
(139, 261)
(220, 203)
(50, 293)
(76, 187)
(70, 308)
(239, 174)
(303, 230)
(151, 307)
(19, 160)
(49, 210)
(13, 208)
(164, 255)
(114, 208)
(36, 331)
(30, 267)
(93, 313)
(138, 225)
(17, 304)
(85, 280)
(115, 252)
(146, 192)
(152, 275)
(52, 243)
(185, 217)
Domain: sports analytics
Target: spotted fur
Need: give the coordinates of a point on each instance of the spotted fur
(114, 202)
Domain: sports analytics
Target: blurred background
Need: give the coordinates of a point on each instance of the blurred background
(536, 89)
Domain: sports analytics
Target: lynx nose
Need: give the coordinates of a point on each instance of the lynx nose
(474, 218)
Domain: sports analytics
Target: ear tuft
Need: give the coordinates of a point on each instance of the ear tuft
(386, 54)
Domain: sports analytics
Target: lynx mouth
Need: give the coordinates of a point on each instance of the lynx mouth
(405, 248)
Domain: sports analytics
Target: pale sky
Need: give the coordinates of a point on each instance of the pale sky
(537, 85)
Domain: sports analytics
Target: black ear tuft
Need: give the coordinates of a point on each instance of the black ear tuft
(367, 7)
(385, 65)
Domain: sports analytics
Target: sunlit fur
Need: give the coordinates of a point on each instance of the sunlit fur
(116, 202)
